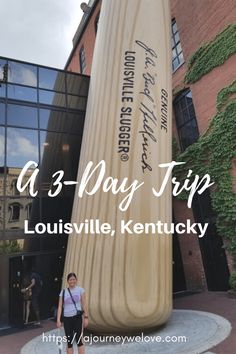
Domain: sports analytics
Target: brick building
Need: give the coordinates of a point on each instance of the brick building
(198, 263)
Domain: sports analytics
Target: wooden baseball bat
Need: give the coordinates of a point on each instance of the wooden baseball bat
(127, 276)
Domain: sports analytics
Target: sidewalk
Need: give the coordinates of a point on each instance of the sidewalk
(218, 303)
(213, 302)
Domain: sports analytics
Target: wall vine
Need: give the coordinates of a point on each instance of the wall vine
(212, 54)
(214, 153)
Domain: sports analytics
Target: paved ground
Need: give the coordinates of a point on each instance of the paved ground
(198, 331)
(213, 302)
(218, 303)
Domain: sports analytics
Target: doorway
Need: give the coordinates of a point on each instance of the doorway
(50, 267)
(211, 245)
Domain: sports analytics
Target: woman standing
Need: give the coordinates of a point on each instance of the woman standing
(75, 313)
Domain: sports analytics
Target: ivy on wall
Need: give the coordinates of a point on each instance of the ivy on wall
(212, 54)
(214, 153)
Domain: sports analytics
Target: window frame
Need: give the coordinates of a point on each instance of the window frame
(82, 60)
(11, 210)
(174, 45)
(191, 117)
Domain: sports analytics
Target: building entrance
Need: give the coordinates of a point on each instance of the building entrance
(50, 268)
(211, 245)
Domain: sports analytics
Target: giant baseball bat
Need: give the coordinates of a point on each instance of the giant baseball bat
(128, 275)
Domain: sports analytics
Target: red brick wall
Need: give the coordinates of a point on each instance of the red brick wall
(88, 41)
(190, 250)
(199, 22)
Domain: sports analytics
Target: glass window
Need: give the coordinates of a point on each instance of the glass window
(52, 98)
(51, 79)
(59, 152)
(11, 246)
(14, 212)
(53, 120)
(61, 121)
(82, 61)
(188, 134)
(2, 216)
(32, 211)
(2, 180)
(77, 102)
(22, 146)
(77, 84)
(11, 180)
(186, 119)
(2, 113)
(3, 77)
(56, 208)
(177, 53)
(2, 90)
(28, 209)
(13, 187)
(22, 93)
(75, 123)
(2, 145)
(20, 209)
(24, 74)
(22, 116)
(3, 71)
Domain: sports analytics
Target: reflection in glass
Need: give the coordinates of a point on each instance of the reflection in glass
(19, 246)
(2, 90)
(53, 120)
(3, 77)
(59, 152)
(50, 243)
(61, 121)
(76, 102)
(11, 246)
(19, 209)
(2, 113)
(3, 67)
(2, 145)
(23, 74)
(14, 218)
(2, 179)
(12, 175)
(75, 123)
(56, 208)
(22, 146)
(77, 85)
(52, 98)
(22, 93)
(1, 213)
(188, 134)
(14, 189)
(14, 211)
(22, 116)
(51, 79)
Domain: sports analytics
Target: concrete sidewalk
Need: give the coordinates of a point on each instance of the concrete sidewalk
(187, 332)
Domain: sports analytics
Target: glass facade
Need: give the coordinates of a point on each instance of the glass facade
(42, 114)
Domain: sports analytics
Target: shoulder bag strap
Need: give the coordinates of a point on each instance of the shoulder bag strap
(63, 299)
(72, 299)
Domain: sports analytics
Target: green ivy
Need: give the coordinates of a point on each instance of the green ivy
(212, 54)
(213, 153)
(8, 247)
